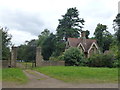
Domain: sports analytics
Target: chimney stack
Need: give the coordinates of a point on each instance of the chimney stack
(83, 34)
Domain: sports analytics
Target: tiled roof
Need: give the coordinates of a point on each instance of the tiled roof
(74, 42)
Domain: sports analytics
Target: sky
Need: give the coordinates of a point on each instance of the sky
(26, 19)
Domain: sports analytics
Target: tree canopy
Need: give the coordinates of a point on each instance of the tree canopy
(6, 43)
(103, 37)
(117, 29)
(70, 24)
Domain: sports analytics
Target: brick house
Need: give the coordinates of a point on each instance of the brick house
(86, 46)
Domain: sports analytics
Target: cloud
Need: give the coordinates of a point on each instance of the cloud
(20, 20)
(19, 37)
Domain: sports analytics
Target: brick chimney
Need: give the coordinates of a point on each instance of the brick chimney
(83, 34)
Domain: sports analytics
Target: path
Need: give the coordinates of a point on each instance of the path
(38, 80)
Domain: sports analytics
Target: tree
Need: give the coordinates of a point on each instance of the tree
(103, 37)
(107, 40)
(48, 46)
(117, 29)
(70, 26)
(117, 26)
(6, 43)
(73, 57)
(27, 51)
(43, 36)
(87, 34)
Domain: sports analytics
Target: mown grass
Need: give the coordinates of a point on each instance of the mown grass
(0, 74)
(81, 74)
(14, 75)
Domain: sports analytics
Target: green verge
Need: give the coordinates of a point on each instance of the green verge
(0, 74)
(81, 74)
(14, 75)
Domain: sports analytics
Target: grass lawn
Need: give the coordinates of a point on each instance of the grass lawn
(0, 74)
(14, 75)
(81, 74)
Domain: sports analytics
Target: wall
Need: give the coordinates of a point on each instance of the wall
(52, 63)
(5, 63)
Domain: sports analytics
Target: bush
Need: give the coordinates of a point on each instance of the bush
(53, 59)
(101, 60)
(73, 57)
(116, 63)
(59, 58)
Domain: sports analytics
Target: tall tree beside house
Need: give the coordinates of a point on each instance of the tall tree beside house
(6, 43)
(70, 24)
(103, 37)
(117, 29)
(87, 34)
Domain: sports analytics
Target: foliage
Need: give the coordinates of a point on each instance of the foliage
(48, 46)
(43, 36)
(101, 60)
(69, 25)
(14, 75)
(114, 47)
(53, 59)
(81, 74)
(6, 43)
(59, 58)
(73, 57)
(103, 37)
(117, 26)
(117, 29)
(59, 48)
(27, 51)
(87, 34)
(116, 63)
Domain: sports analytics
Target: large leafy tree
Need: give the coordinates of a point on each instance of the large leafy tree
(43, 36)
(6, 43)
(48, 46)
(103, 37)
(117, 29)
(70, 24)
(117, 26)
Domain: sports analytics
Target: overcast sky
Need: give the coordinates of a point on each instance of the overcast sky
(27, 18)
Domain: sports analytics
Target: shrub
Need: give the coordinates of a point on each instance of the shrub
(116, 63)
(59, 58)
(101, 60)
(53, 59)
(73, 57)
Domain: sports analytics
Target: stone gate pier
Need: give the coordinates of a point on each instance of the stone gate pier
(13, 57)
(41, 62)
(39, 57)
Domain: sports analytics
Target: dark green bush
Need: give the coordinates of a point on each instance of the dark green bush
(116, 63)
(73, 57)
(101, 60)
(59, 58)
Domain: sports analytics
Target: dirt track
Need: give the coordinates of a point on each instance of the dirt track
(38, 80)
